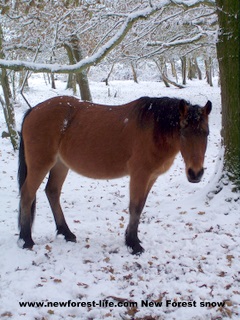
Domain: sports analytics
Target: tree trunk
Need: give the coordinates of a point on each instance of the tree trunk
(173, 68)
(8, 109)
(53, 84)
(75, 55)
(193, 69)
(208, 68)
(82, 80)
(199, 72)
(191, 72)
(161, 66)
(81, 77)
(184, 70)
(7, 105)
(109, 74)
(71, 84)
(228, 58)
(23, 79)
(135, 79)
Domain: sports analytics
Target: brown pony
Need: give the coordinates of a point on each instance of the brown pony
(139, 139)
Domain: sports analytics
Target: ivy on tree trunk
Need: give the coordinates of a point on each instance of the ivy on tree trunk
(228, 57)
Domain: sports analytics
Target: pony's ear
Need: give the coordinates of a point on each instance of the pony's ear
(183, 108)
(208, 107)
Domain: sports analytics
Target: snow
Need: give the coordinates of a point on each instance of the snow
(190, 235)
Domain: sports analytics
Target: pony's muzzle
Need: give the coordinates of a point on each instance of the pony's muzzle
(193, 176)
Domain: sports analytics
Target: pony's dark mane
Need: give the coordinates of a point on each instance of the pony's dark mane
(162, 113)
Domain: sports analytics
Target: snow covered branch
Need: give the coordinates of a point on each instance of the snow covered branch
(177, 42)
(89, 61)
(193, 3)
(126, 24)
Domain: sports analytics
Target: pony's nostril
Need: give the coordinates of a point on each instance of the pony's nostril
(191, 174)
(195, 176)
(200, 174)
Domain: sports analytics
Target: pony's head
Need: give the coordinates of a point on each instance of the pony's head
(193, 137)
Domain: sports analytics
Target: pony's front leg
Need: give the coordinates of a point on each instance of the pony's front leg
(139, 189)
(131, 235)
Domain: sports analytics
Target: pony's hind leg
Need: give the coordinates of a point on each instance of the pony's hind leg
(27, 205)
(56, 179)
(26, 216)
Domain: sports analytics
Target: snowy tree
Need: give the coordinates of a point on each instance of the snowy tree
(176, 33)
(48, 28)
(104, 29)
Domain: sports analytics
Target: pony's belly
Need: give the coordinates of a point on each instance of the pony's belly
(96, 167)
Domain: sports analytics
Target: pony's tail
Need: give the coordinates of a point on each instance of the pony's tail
(22, 172)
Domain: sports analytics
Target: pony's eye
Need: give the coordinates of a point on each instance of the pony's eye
(188, 131)
(184, 132)
(203, 132)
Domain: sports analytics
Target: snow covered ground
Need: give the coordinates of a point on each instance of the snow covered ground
(190, 268)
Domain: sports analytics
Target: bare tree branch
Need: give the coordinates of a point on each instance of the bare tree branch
(102, 52)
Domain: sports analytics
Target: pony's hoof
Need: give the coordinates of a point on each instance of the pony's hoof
(137, 250)
(133, 244)
(72, 238)
(68, 235)
(27, 244)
